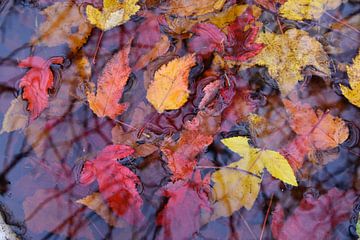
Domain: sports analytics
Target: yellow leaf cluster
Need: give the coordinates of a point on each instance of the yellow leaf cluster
(307, 9)
(113, 13)
(61, 20)
(238, 184)
(287, 54)
(169, 89)
(193, 7)
(353, 71)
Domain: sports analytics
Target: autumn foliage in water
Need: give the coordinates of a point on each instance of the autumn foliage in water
(186, 114)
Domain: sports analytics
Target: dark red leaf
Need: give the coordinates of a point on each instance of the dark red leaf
(36, 82)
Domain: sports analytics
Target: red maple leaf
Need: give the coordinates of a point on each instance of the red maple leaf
(117, 183)
(314, 218)
(182, 214)
(36, 82)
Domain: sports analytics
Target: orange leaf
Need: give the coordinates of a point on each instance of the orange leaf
(110, 87)
(36, 83)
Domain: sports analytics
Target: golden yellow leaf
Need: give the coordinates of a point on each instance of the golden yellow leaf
(114, 13)
(237, 185)
(16, 117)
(227, 16)
(353, 93)
(286, 55)
(169, 89)
(307, 9)
(96, 203)
(193, 7)
(65, 24)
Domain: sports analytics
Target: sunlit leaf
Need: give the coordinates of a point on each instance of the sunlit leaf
(169, 89)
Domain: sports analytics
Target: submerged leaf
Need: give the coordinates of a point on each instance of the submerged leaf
(286, 55)
(193, 7)
(169, 89)
(353, 93)
(110, 87)
(307, 9)
(113, 13)
(16, 117)
(37, 82)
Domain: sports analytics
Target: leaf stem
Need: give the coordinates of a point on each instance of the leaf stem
(266, 217)
(236, 169)
(97, 47)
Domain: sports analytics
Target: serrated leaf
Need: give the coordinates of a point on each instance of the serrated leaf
(169, 89)
(353, 93)
(113, 13)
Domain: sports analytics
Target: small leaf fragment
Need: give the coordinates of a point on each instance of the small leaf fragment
(169, 89)
(16, 117)
(353, 93)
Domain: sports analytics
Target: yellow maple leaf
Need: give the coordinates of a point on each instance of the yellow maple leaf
(169, 89)
(234, 188)
(113, 13)
(65, 24)
(193, 7)
(286, 55)
(353, 93)
(307, 9)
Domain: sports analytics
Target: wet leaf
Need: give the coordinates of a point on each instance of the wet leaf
(37, 82)
(286, 55)
(307, 9)
(114, 13)
(315, 218)
(271, 5)
(353, 93)
(96, 203)
(210, 92)
(187, 199)
(110, 86)
(16, 117)
(64, 24)
(169, 89)
(117, 184)
(193, 7)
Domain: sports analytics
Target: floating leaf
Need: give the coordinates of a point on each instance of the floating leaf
(37, 82)
(169, 89)
(114, 13)
(16, 117)
(237, 184)
(64, 24)
(286, 55)
(110, 87)
(307, 9)
(117, 184)
(353, 93)
(193, 7)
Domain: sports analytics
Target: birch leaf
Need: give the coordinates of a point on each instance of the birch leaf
(110, 87)
(353, 93)
(169, 89)
(113, 13)
(307, 9)
(286, 55)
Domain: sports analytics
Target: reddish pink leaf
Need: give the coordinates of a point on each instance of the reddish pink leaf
(240, 44)
(181, 216)
(316, 218)
(296, 150)
(208, 38)
(36, 82)
(117, 183)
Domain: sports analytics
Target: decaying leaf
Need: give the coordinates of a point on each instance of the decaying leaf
(117, 184)
(353, 93)
(64, 24)
(187, 199)
(307, 9)
(169, 89)
(210, 92)
(286, 55)
(193, 7)
(316, 131)
(110, 87)
(114, 13)
(238, 184)
(36, 83)
(96, 203)
(16, 117)
(271, 5)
